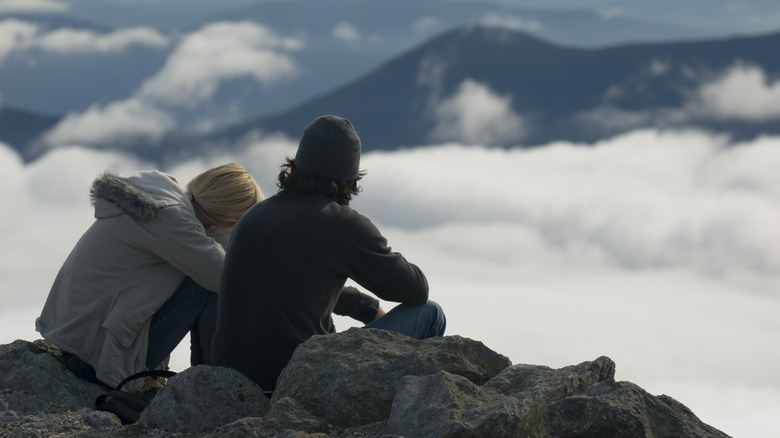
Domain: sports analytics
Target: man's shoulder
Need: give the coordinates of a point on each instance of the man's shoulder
(306, 207)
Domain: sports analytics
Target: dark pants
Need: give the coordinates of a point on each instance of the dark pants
(191, 309)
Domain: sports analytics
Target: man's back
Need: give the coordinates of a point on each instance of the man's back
(287, 262)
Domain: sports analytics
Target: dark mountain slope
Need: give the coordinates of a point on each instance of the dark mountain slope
(19, 127)
(391, 106)
(550, 87)
(557, 93)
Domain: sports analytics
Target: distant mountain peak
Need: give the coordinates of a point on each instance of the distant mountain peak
(482, 74)
(491, 35)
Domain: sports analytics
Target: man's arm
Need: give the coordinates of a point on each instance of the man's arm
(357, 305)
(386, 274)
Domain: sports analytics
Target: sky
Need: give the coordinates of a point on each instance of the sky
(657, 248)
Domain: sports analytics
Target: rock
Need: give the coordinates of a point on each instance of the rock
(260, 428)
(543, 383)
(34, 379)
(537, 386)
(285, 415)
(356, 384)
(66, 423)
(510, 404)
(448, 405)
(624, 410)
(225, 394)
(350, 378)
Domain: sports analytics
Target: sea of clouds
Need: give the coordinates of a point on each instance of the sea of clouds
(658, 249)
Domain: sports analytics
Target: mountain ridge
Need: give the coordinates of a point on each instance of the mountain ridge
(551, 92)
(550, 85)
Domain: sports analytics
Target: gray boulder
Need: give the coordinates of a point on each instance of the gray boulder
(204, 398)
(624, 410)
(350, 378)
(535, 386)
(34, 379)
(510, 404)
(448, 405)
(63, 423)
(39, 397)
(284, 418)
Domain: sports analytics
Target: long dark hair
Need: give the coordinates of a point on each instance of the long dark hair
(299, 181)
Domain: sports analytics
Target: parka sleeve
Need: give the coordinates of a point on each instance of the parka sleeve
(184, 244)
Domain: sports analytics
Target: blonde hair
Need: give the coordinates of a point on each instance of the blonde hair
(225, 192)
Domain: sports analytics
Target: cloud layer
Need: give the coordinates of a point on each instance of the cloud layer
(34, 6)
(218, 52)
(740, 93)
(476, 115)
(109, 124)
(658, 249)
(197, 66)
(743, 92)
(23, 36)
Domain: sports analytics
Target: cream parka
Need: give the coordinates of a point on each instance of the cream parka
(145, 240)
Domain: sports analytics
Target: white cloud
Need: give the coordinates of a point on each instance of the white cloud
(610, 13)
(217, 52)
(476, 115)
(191, 75)
(20, 36)
(346, 31)
(426, 24)
(611, 120)
(105, 124)
(641, 200)
(77, 41)
(511, 22)
(742, 93)
(33, 6)
(13, 34)
(659, 67)
(637, 247)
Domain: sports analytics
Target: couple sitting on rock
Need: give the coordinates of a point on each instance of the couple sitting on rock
(153, 267)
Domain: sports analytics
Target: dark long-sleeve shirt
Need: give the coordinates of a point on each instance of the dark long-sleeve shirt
(285, 268)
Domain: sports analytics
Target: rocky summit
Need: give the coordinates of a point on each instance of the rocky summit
(358, 383)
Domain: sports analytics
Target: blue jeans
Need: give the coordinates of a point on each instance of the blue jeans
(191, 309)
(419, 322)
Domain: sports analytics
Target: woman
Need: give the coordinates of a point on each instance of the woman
(146, 272)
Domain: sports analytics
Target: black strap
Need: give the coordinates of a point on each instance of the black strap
(147, 373)
(134, 401)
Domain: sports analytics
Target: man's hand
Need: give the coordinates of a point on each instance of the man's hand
(379, 313)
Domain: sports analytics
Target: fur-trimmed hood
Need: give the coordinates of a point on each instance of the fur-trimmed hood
(127, 264)
(140, 196)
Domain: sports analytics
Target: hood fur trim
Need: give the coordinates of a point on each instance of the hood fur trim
(128, 197)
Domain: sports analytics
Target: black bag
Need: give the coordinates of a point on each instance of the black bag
(128, 405)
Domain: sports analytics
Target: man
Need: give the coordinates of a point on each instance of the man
(290, 256)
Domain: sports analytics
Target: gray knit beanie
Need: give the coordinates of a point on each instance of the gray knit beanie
(330, 148)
